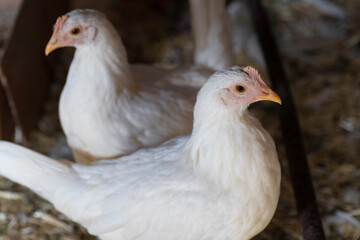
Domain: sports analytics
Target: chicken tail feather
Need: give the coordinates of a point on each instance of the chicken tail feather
(33, 170)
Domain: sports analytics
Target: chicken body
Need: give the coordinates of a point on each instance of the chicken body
(108, 108)
(220, 183)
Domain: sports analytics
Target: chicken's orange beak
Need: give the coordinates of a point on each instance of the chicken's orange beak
(56, 40)
(269, 95)
(55, 44)
(51, 46)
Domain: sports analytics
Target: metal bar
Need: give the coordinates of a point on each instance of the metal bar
(309, 216)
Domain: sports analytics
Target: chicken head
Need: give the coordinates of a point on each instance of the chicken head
(245, 87)
(72, 31)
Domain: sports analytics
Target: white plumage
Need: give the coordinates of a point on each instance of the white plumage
(222, 182)
(108, 108)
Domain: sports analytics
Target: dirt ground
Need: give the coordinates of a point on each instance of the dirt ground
(320, 44)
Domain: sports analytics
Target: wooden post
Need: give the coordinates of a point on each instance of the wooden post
(25, 70)
(7, 125)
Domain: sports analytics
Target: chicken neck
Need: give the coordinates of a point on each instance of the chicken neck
(230, 146)
(102, 64)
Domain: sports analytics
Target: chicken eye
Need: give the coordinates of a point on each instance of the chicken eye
(75, 31)
(240, 89)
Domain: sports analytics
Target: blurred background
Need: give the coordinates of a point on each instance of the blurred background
(320, 44)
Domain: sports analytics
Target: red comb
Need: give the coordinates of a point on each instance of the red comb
(60, 22)
(254, 74)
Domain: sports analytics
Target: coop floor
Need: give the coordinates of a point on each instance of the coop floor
(320, 44)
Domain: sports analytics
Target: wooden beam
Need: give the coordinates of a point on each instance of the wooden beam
(7, 125)
(25, 69)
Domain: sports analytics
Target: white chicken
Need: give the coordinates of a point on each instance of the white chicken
(108, 108)
(220, 183)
